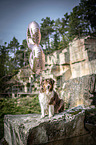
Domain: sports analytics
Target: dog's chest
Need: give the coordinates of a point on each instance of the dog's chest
(44, 98)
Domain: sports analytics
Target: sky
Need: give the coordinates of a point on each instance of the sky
(15, 15)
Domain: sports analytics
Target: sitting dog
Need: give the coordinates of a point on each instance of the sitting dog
(49, 99)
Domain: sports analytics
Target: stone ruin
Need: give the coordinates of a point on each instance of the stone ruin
(74, 72)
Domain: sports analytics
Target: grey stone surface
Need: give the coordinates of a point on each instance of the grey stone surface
(64, 128)
(81, 90)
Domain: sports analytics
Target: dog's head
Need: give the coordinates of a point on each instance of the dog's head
(47, 85)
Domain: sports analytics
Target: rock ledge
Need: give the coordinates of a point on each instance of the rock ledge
(65, 128)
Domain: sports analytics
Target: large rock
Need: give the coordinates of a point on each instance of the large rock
(64, 128)
(82, 57)
(81, 90)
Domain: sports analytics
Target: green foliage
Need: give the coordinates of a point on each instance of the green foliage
(80, 22)
(88, 8)
(28, 33)
(82, 19)
(12, 57)
(13, 45)
(46, 31)
(3, 58)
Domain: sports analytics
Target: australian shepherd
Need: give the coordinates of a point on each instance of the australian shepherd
(50, 102)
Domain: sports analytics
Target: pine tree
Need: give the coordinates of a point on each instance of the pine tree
(46, 31)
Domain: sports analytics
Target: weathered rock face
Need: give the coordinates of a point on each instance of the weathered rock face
(64, 128)
(81, 90)
(79, 59)
(83, 57)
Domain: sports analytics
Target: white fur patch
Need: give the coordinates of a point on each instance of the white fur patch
(44, 100)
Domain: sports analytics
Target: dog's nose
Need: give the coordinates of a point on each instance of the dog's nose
(48, 87)
(42, 88)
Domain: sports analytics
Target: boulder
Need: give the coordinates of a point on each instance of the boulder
(81, 90)
(65, 128)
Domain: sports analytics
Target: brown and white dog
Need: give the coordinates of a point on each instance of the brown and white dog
(49, 99)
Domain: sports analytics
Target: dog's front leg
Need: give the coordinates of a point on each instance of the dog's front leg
(51, 110)
(61, 106)
(42, 112)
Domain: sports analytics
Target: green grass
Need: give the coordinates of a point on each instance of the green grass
(25, 105)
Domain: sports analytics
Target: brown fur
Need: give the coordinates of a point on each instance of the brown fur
(57, 102)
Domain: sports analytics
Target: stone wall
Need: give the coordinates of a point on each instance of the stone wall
(83, 57)
(58, 63)
(79, 59)
(58, 57)
(24, 83)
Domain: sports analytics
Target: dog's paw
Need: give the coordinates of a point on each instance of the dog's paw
(57, 111)
(50, 116)
(42, 116)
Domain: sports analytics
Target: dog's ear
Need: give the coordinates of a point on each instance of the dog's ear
(52, 81)
(41, 86)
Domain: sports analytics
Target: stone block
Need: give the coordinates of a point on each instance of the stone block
(64, 128)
